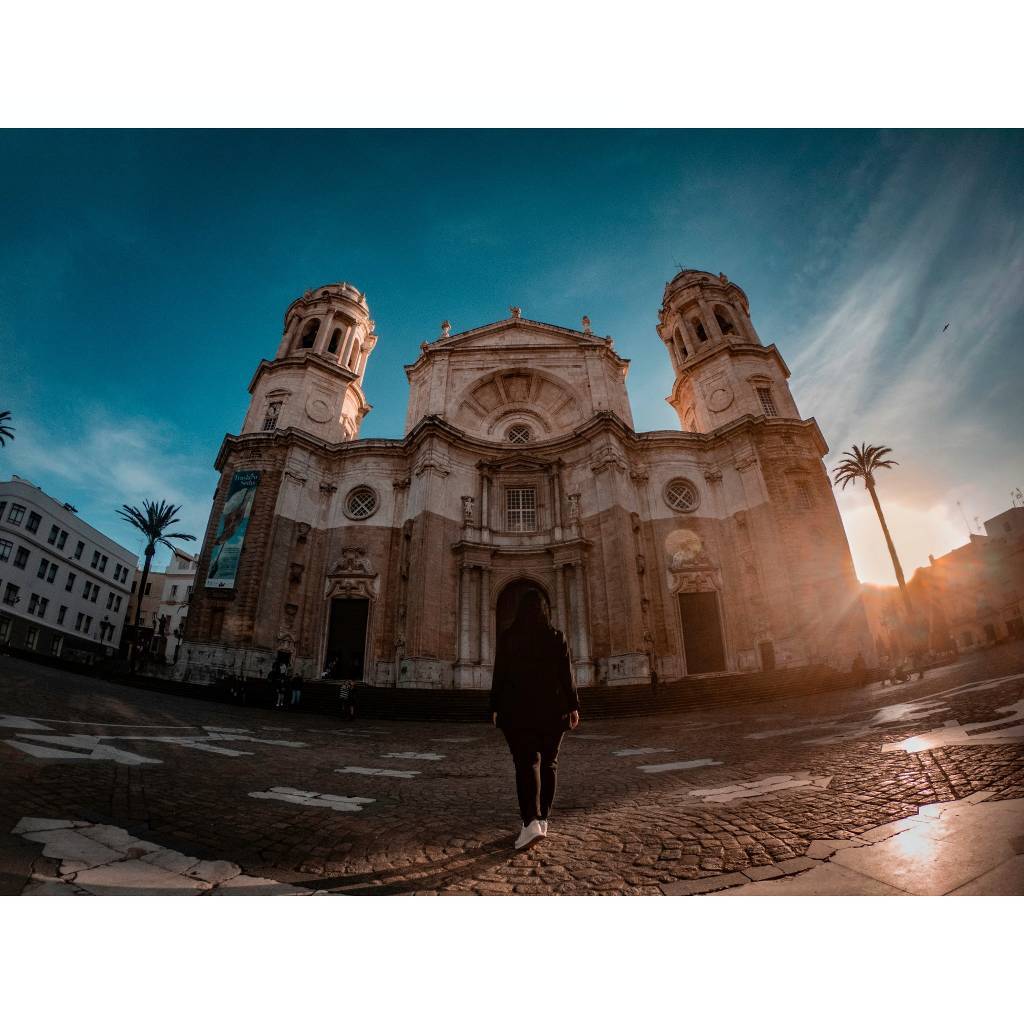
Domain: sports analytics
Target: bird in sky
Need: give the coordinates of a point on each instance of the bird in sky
(946, 328)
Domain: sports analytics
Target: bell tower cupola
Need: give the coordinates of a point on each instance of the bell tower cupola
(722, 369)
(315, 382)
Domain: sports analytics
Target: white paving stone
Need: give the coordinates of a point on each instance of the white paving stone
(391, 773)
(171, 860)
(412, 755)
(214, 871)
(309, 799)
(250, 885)
(42, 825)
(637, 751)
(15, 722)
(136, 878)
(69, 844)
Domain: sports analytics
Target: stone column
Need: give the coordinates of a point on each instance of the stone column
(485, 507)
(710, 323)
(560, 601)
(326, 326)
(350, 340)
(485, 614)
(556, 501)
(464, 599)
(582, 644)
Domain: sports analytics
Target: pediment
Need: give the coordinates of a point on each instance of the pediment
(512, 333)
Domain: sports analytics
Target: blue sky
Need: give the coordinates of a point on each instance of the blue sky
(144, 274)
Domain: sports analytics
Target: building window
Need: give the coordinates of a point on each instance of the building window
(62, 540)
(79, 621)
(698, 328)
(335, 341)
(44, 564)
(52, 574)
(103, 563)
(21, 558)
(79, 548)
(95, 559)
(71, 581)
(518, 433)
(767, 402)
(110, 601)
(5, 550)
(33, 604)
(724, 323)
(54, 531)
(55, 646)
(32, 637)
(309, 334)
(149, 587)
(61, 612)
(88, 624)
(5, 630)
(682, 495)
(34, 519)
(117, 603)
(361, 503)
(3, 508)
(521, 509)
(270, 420)
(16, 515)
(803, 495)
(174, 590)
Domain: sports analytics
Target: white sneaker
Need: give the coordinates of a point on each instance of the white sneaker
(529, 835)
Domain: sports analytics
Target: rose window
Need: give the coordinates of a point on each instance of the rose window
(361, 503)
(682, 495)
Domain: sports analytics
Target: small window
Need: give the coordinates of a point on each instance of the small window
(767, 402)
(54, 533)
(88, 623)
(51, 574)
(79, 621)
(521, 509)
(332, 345)
(361, 503)
(110, 601)
(34, 519)
(33, 604)
(71, 581)
(103, 563)
(44, 564)
(61, 612)
(803, 495)
(698, 328)
(55, 646)
(5, 630)
(174, 590)
(62, 540)
(117, 603)
(16, 515)
(518, 433)
(3, 508)
(11, 594)
(21, 558)
(309, 334)
(682, 495)
(95, 559)
(31, 637)
(149, 587)
(43, 603)
(79, 548)
(5, 550)
(724, 323)
(270, 420)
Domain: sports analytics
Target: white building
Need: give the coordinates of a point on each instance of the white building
(177, 582)
(64, 586)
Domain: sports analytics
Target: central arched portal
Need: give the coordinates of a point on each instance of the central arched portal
(508, 602)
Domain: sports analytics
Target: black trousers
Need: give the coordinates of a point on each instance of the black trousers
(535, 755)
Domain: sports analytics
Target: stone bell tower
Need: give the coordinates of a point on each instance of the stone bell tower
(722, 370)
(315, 382)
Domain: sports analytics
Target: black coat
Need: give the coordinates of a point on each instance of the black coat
(532, 686)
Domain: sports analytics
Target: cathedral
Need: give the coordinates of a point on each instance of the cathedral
(713, 549)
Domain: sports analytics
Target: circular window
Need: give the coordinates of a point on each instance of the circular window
(518, 433)
(361, 503)
(682, 495)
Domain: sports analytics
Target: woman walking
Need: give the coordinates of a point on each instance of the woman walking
(533, 702)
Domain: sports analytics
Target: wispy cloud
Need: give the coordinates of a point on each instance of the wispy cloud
(98, 464)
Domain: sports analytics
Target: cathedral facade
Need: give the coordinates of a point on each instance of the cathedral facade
(713, 549)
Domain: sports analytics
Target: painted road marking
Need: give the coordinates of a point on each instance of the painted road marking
(636, 751)
(1009, 729)
(411, 755)
(391, 773)
(14, 722)
(676, 766)
(308, 799)
(769, 784)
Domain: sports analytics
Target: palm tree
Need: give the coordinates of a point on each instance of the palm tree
(861, 464)
(5, 431)
(151, 522)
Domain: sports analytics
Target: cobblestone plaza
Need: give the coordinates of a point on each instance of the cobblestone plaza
(107, 789)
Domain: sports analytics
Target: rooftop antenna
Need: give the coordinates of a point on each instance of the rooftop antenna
(967, 525)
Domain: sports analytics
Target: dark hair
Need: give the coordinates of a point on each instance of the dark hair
(532, 610)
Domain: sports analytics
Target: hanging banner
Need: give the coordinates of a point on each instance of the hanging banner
(230, 535)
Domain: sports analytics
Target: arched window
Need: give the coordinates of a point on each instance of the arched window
(724, 323)
(332, 345)
(270, 420)
(698, 328)
(518, 433)
(309, 334)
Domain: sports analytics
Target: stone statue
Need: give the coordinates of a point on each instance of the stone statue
(574, 508)
(516, 312)
(586, 325)
(446, 329)
(468, 501)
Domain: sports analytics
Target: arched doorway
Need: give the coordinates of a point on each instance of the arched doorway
(508, 602)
